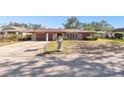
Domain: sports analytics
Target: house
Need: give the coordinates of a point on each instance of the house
(67, 34)
(40, 35)
(118, 30)
(118, 33)
(12, 32)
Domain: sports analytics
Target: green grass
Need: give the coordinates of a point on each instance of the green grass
(67, 44)
(52, 45)
(111, 40)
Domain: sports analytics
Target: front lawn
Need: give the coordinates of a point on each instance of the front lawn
(110, 40)
(52, 46)
(83, 47)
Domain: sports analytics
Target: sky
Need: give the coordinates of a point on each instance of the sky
(57, 21)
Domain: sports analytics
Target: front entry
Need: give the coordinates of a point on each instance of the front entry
(42, 36)
(59, 34)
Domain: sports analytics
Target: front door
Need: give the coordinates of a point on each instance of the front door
(59, 34)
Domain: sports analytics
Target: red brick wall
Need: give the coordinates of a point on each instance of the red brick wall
(42, 36)
(51, 36)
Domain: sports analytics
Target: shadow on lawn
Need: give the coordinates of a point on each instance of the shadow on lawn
(92, 48)
(56, 67)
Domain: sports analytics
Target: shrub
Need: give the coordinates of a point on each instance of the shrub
(118, 35)
(28, 37)
(24, 38)
(92, 37)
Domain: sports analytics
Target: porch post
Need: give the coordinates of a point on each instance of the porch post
(17, 37)
(47, 38)
(5, 36)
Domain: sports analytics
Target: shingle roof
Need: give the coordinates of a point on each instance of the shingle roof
(20, 28)
(60, 30)
(13, 29)
(48, 30)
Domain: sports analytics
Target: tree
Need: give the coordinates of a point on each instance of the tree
(89, 26)
(97, 26)
(72, 23)
(18, 24)
(35, 26)
(105, 26)
(28, 26)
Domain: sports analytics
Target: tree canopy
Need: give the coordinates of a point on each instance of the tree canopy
(28, 26)
(97, 26)
(72, 23)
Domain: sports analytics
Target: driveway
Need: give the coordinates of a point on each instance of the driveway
(23, 49)
(25, 59)
(16, 55)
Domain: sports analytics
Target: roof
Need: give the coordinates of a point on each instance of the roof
(60, 30)
(20, 28)
(49, 30)
(13, 29)
(118, 30)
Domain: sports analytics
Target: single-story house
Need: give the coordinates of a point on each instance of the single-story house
(13, 30)
(40, 35)
(68, 34)
(118, 30)
(112, 34)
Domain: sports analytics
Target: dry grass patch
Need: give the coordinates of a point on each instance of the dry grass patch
(86, 47)
(3, 43)
(111, 40)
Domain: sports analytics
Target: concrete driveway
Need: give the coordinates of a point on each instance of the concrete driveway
(14, 55)
(25, 59)
(23, 49)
